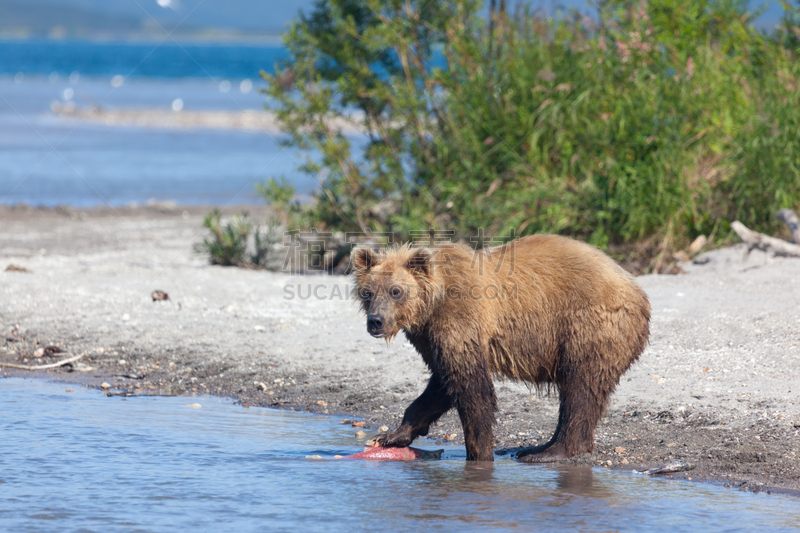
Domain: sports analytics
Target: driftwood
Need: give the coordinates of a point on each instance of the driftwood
(759, 241)
(42, 367)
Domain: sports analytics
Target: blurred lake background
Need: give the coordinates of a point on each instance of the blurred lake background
(146, 54)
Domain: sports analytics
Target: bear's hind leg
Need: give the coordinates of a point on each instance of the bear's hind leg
(580, 410)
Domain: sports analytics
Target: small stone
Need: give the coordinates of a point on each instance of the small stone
(358, 424)
(383, 429)
(194, 405)
(260, 328)
(126, 317)
(322, 403)
(159, 295)
(662, 381)
(619, 449)
(313, 457)
(39, 352)
(360, 434)
(122, 362)
(346, 421)
(624, 461)
(261, 386)
(105, 385)
(246, 405)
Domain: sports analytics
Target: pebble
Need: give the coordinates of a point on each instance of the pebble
(104, 385)
(322, 403)
(261, 386)
(260, 328)
(360, 434)
(39, 352)
(194, 405)
(619, 449)
(126, 317)
(383, 429)
(358, 424)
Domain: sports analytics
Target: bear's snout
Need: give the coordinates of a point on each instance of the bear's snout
(375, 325)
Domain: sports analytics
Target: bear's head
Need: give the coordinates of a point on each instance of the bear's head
(395, 288)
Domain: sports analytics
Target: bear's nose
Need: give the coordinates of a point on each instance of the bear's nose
(374, 323)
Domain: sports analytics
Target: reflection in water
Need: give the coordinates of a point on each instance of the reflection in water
(81, 460)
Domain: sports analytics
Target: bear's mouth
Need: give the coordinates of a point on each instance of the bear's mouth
(384, 334)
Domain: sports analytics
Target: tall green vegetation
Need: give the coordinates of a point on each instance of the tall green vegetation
(658, 122)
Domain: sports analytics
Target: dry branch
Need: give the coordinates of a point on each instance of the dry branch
(764, 242)
(42, 367)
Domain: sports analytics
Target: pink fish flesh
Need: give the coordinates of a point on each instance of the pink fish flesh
(407, 453)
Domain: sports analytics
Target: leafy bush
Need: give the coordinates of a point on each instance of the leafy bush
(239, 242)
(661, 121)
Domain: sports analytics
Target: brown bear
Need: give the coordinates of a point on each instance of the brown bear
(543, 309)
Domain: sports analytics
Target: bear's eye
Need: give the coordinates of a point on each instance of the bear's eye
(367, 294)
(396, 292)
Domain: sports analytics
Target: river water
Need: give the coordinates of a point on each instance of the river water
(75, 460)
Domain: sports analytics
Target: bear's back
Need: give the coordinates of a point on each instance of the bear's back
(535, 296)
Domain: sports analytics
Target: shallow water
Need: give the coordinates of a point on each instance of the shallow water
(81, 461)
(49, 160)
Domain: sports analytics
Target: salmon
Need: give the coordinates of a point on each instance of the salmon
(407, 453)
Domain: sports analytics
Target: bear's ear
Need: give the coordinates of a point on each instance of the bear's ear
(364, 259)
(420, 262)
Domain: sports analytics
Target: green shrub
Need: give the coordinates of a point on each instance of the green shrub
(239, 242)
(665, 120)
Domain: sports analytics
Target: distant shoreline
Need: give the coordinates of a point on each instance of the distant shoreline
(251, 120)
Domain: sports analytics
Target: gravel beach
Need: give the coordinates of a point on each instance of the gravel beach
(719, 385)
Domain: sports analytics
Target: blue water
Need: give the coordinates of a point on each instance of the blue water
(159, 59)
(76, 460)
(48, 160)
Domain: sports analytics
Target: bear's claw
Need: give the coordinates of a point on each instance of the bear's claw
(400, 437)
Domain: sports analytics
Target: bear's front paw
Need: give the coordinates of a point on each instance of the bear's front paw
(399, 438)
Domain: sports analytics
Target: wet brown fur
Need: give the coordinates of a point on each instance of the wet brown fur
(565, 315)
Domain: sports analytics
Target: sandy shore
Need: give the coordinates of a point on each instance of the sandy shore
(718, 386)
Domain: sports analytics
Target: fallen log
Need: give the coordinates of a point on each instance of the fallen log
(759, 241)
